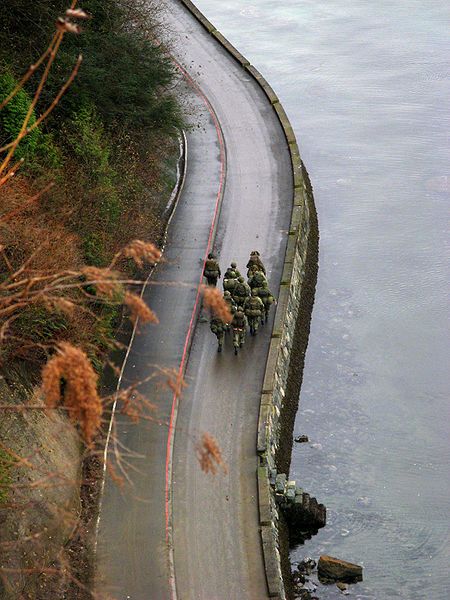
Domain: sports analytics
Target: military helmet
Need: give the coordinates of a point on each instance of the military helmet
(233, 265)
(239, 312)
(241, 279)
(226, 294)
(210, 255)
(254, 253)
(254, 292)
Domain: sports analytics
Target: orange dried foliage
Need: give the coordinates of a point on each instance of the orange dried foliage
(209, 455)
(118, 479)
(142, 252)
(105, 281)
(33, 228)
(79, 395)
(175, 381)
(213, 299)
(139, 310)
(134, 404)
(60, 304)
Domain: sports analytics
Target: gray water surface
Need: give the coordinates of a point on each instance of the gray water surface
(366, 85)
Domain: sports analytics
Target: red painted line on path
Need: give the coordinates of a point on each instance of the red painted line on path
(192, 320)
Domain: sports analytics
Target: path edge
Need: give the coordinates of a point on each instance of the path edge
(169, 213)
(289, 336)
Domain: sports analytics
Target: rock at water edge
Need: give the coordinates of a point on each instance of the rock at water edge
(338, 570)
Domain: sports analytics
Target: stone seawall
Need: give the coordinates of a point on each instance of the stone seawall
(282, 502)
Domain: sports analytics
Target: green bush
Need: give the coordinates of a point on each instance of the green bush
(13, 115)
(93, 250)
(88, 142)
(40, 324)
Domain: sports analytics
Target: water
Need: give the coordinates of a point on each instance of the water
(366, 86)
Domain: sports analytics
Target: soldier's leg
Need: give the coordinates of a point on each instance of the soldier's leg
(235, 338)
(256, 325)
(220, 338)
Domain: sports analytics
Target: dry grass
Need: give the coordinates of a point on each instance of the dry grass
(69, 379)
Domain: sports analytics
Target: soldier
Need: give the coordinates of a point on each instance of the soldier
(239, 326)
(229, 300)
(267, 297)
(240, 291)
(257, 279)
(231, 305)
(232, 272)
(255, 260)
(211, 270)
(229, 280)
(218, 327)
(254, 311)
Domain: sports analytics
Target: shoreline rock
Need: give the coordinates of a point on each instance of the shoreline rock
(335, 569)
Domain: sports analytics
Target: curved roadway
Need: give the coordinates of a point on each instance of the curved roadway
(215, 534)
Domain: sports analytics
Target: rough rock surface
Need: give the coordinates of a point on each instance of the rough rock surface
(338, 570)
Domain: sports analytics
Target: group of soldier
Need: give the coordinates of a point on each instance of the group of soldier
(249, 301)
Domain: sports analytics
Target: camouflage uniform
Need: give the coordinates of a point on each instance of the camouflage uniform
(240, 291)
(211, 270)
(257, 279)
(254, 310)
(231, 305)
(267, 297)
(229, 300)
(255, 260)
(229, 280)
(239, 325)
(232, 272)
(218, 327)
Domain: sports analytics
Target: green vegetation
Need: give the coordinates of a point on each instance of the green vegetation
(13, 115)
(108, 147)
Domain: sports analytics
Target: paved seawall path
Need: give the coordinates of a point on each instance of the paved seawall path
(237, 157)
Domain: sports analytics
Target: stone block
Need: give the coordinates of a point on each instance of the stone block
(285, 123)
(264, 496)
(272, 358)
(199, 16)
(296, 218)
(296, 166)
(299, 199)
(288, 271)
(274, 582)
(290, 494)
(267, 89)
(280, 315)
(231, 49)
(264, 411)
(280, 482)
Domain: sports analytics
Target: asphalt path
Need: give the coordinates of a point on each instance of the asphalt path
(179, 527)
